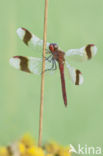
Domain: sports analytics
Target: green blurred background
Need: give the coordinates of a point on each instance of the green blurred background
(71, 24)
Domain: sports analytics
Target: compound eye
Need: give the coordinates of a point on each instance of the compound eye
(51, 47)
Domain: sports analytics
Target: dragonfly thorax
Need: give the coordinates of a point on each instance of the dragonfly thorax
(53, 47)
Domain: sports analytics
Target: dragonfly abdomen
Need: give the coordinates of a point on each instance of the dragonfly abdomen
(61, 67)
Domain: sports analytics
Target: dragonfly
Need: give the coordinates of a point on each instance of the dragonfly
(57, 57)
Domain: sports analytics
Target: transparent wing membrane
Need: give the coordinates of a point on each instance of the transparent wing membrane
(86, 52)
(30, 64)
(30, 39)
(75, 75)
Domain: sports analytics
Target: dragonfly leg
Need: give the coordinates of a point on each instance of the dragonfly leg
(49, 58)
(50, 68)
(47, 51)
(54, 64)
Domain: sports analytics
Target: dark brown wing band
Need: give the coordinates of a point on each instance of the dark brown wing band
(27, 36)
(23, 63)
(77, 77)
(88, 51)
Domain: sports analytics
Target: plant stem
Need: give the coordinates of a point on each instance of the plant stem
(42, 76)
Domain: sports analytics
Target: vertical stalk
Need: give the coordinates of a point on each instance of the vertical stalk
(42, 76)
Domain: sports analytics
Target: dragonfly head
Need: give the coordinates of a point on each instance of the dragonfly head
(53, 47)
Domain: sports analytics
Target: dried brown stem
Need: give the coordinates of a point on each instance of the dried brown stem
(42, 76)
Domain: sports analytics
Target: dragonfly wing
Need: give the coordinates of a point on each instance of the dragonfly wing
(30, 39)
(86, 52)
(29, 64)
(75, 75)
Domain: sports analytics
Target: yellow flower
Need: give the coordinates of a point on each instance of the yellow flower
(27, 147)
(55, 149)
(52, 147)
(22, 148)
(4, 151)
(35, 151)
(49, 154)
(64, 151)
(27, 140)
